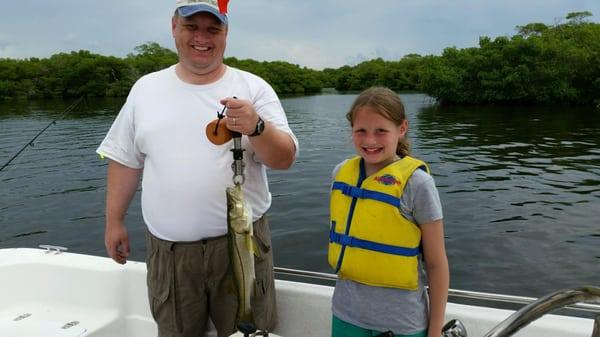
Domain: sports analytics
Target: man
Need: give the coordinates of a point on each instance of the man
(160, 132)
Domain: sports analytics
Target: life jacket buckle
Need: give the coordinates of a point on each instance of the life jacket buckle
(346, 240)
(353, 191)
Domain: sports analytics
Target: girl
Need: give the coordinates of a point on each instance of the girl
(387, 236)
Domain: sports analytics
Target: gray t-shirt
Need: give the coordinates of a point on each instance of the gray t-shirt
(382, 309)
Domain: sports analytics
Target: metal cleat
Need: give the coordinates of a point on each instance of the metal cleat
(55, 249)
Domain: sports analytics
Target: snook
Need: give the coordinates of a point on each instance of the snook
(241, 251)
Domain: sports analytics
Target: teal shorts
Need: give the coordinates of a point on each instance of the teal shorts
(340, 328)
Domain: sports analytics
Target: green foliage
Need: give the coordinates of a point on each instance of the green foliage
(532, 29)
(541, 64)
(65, 75)
(404, 74)
(285, 78)
(82, 73)
(150, 57)
(578, 17)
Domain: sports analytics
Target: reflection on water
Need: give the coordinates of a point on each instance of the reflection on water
(521, 194)
(520, 186)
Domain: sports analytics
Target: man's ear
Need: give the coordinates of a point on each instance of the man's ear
(173, 25)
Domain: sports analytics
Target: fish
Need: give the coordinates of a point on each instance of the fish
(241, 252)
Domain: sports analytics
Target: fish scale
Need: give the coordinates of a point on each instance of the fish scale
(241, 250)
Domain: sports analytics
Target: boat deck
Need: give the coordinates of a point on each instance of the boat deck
(49, 294)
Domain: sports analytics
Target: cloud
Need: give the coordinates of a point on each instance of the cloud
(70, 37)
(312, 33)
(4, 48)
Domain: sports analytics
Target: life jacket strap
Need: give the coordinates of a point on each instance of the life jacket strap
(346, 240)
(361, 193)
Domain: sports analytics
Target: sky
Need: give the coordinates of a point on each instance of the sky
(311, 33)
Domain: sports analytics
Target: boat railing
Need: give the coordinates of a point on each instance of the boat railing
(455, 293)
(544, 305)
(305, 274)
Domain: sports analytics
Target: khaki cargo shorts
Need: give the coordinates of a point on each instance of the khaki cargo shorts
(188, 282)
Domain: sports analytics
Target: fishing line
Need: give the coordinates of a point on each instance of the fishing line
(30, 143)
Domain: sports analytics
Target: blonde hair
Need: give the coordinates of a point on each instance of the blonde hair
(387, 104)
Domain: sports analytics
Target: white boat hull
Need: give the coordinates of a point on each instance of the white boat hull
(49, 294)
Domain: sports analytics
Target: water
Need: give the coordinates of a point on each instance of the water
(520, 187)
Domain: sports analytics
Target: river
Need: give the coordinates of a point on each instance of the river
(520, 186)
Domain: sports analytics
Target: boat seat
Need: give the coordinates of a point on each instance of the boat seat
(36, 325)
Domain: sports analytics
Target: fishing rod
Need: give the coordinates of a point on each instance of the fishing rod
(30, 143)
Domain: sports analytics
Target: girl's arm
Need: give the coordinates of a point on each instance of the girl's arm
(436, 264)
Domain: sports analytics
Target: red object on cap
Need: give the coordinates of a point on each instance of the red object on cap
(223, 6)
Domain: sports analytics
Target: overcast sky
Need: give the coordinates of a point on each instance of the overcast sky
(311, 33)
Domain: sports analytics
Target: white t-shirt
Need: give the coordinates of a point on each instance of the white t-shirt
(161, 128)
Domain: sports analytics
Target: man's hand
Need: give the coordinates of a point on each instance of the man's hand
(122, 182)
(241, 116)
(274, 148)
(116, 241)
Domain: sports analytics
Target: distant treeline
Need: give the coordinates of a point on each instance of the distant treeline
(541, 64)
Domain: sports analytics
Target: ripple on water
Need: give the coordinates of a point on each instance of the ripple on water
(520, 195)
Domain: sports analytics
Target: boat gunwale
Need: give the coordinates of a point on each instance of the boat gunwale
(454, 293)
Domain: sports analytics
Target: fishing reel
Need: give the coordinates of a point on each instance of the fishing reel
(219, 134)
(454, 328)
(249, 330)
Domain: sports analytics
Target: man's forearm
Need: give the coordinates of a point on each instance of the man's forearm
(274, 148)
(122, 183)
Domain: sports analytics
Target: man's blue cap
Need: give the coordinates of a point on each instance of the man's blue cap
(187, 8)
